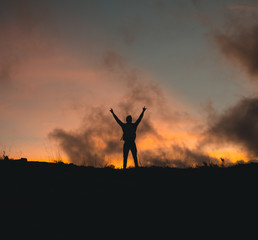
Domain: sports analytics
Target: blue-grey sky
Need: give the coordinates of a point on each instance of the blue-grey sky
(171, 40)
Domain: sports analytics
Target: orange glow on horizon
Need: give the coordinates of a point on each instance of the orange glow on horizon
(232, 156)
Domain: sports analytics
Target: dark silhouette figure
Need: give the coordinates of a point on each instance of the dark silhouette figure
(129, 135)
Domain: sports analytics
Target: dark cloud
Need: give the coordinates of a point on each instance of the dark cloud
(237, 125)
(240, 42)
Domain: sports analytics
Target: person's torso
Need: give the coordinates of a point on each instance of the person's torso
(129, 132)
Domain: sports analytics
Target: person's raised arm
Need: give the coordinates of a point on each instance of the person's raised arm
(141, 116)
(116, 118)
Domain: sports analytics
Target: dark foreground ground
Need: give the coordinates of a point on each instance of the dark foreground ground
(57, 200)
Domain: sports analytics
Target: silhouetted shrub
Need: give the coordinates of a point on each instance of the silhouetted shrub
(110, 166)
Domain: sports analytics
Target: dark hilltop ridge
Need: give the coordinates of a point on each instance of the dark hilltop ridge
(56, 199)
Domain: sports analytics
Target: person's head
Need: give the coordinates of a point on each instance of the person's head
(129, 119)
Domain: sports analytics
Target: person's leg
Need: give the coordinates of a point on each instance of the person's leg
(125, 154)
(134, 153)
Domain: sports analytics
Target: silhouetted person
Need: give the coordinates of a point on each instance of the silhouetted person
(129, 135)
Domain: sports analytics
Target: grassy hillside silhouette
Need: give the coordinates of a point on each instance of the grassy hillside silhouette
(56, 199)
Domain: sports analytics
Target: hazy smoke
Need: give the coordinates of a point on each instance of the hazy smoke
(240, 43)
(238, 125)
(97, 140)
(89, 144)
(177, 156)
(98, 137)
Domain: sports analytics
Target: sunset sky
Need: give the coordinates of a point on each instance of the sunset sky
(193, 64)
